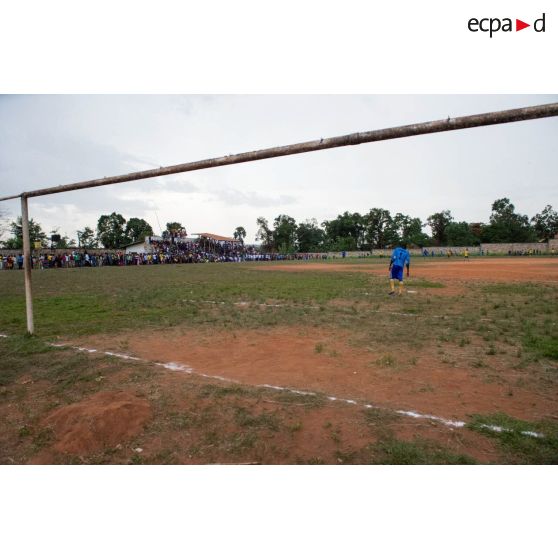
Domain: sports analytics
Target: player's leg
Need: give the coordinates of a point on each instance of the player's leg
(399, 277)
(396, 274)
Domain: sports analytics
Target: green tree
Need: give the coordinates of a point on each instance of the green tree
(476, 230)
(175, 227)
(460, 234)
(86, 238)
(64, 242)
(284, 234)
(412, 233)
(110, 230)
(346, 232)
(438, 223)
(546, 223)
(309, 236)
(264, 234)
(240, 234)
(506, 225)
(36, 234)
(407, 230)
(378, 228)
(137, 229)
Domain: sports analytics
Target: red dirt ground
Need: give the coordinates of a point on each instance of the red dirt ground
(287, 357)
(482, 269)
(314, 440)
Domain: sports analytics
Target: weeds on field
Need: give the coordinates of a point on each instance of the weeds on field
(517, 437)
(485, 328)
(418, 452)
(387, 361)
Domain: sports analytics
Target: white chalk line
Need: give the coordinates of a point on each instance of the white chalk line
(178, 367)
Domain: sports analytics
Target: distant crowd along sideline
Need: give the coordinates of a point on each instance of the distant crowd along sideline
(206, 249)
(161, 251)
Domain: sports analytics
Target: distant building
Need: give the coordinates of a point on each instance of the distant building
(138, 248)
(203, 240)
(217, 237)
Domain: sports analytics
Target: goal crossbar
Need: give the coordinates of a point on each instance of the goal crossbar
(432, 127)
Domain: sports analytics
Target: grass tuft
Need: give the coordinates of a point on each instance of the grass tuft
(386, 361)
(521, 448)
(418, 452)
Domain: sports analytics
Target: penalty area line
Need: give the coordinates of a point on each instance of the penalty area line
(179, 367)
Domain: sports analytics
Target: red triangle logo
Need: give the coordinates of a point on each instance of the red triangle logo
(519, 25)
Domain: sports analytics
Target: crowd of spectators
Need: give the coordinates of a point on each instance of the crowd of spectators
(161, 251)
(449, 252)
(529, 252)
(181, 251)
(12, 261)
(48, 260)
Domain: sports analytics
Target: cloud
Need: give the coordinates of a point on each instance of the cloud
(232, 196)
(46, 140)
(41, 161)
(176, 185)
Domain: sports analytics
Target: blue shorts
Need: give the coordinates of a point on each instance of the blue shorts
(397, 273)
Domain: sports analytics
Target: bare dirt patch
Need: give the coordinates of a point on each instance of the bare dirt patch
(325, 361)
(218, 423)
(483, 269)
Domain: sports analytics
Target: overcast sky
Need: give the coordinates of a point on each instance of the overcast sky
(51, 140)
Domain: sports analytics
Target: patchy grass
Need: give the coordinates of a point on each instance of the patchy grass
(32, 358)
(194, 421)
(243, 417)
(522, 289)
(543, 343)
(298, 399)
(376, 416)
(418, 452)
(87, 301)
(217, 390)
(423, 284)
(100, 300)
(486, 329)
(386, 361)
(319, 348)
(519, 447)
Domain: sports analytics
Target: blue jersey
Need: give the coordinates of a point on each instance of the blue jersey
(400, 257)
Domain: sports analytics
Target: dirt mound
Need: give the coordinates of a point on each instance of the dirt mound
(101, 421)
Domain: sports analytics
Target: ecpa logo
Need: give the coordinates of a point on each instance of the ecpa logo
(494, 24)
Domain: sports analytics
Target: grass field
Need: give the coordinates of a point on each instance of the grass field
(473, 342)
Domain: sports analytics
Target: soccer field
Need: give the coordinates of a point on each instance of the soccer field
(283, 363)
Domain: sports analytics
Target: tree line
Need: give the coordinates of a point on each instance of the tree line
(112, 231)
(377, 228)
(380, 229)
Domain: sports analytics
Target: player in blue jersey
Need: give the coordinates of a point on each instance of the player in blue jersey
(400, 258)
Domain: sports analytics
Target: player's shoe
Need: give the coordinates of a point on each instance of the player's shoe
(391, 293)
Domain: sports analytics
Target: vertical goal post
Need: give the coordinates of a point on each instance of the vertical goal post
(432, 127)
